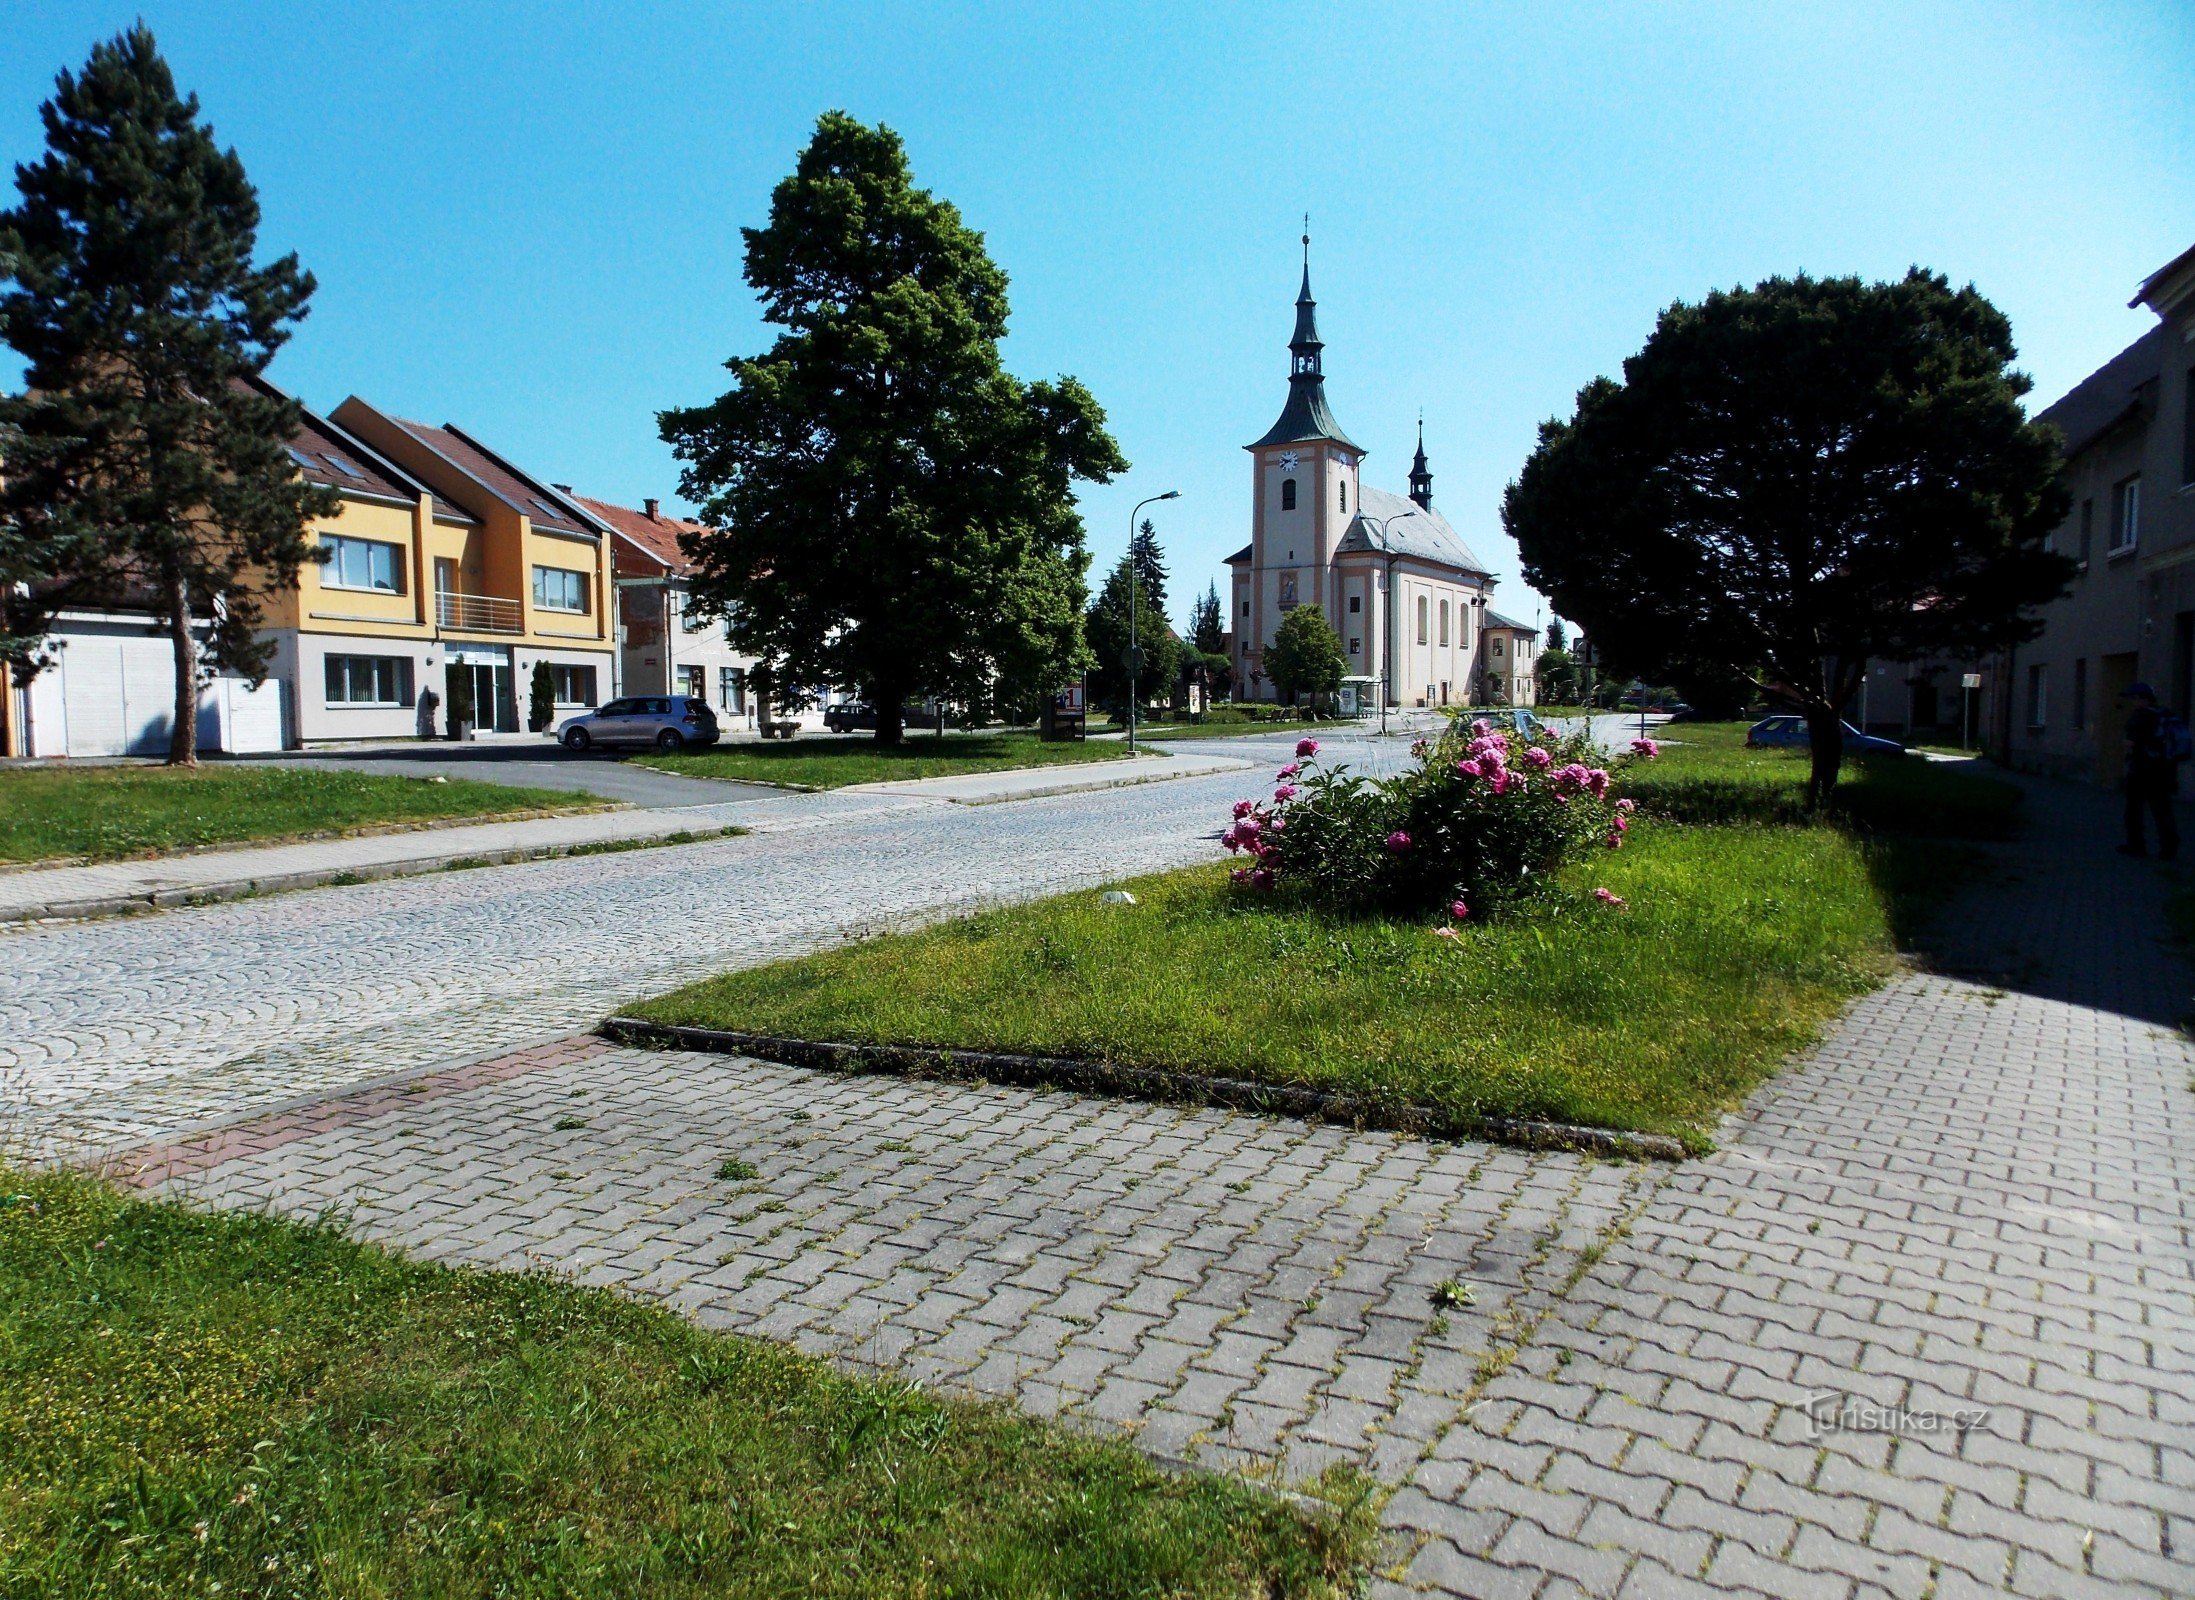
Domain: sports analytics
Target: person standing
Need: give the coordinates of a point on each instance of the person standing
(2152, 773)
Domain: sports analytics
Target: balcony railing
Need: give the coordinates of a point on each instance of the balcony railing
(478, 613)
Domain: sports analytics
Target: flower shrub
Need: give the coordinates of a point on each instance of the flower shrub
(1485, 820)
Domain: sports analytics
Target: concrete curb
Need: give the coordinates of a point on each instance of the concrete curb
(202, 894)
(1064, 1072)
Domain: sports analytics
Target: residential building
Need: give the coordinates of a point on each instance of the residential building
(1407, 599)
(2130, 615)
(662, 647)
(1510, 662)
(504, 572)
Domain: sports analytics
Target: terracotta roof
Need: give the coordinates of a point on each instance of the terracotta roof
(536, 499)
(656, 536)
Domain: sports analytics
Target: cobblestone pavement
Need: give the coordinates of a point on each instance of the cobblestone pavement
(1925, 1327)
(124, 1030)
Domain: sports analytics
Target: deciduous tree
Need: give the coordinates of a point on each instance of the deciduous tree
(142, 465)
(1792, 478)
(894, 509)
(1305, 655)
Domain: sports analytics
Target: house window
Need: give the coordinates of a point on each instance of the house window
(2080, 692)
(362, 564)
(1495, 647)
(2038, 691)
(574, 686)
(731, 689)
(1444, 622)
(556, 589)
(369, 680)
(2088, 527)
(1356, 644)
(1288, 494)
(1356, 604)
(1424, 609)
(695, 681)
(2126, 515)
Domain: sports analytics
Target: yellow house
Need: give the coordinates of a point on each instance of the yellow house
(445, 565)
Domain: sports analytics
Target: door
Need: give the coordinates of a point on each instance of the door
(2113, 675)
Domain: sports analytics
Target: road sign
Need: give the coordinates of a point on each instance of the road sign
(1972, 680)
(1132, 659)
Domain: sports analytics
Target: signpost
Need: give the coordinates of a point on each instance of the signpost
(1967, 685)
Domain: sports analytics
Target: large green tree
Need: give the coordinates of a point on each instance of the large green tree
(143, 467)
(1793, 478)
(1305, 655)
(893, 509)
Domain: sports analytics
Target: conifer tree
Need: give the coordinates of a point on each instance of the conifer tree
(144, 467)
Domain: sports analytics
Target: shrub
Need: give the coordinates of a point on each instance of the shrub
(1483, 822)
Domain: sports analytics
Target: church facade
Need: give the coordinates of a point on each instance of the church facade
(1406, 597)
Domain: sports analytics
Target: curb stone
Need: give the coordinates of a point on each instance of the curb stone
(1066, 1072)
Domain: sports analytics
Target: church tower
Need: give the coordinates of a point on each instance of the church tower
(1421, 476)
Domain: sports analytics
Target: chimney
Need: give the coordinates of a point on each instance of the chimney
(649, 506)
(561, 488)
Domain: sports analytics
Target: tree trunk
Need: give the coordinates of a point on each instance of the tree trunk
(1825, 732)
(183, 735)
(890, 723)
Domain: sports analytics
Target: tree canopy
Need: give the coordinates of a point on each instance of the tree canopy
(1305, 655)
(144, 467)
(892, 508)
(1792, 478)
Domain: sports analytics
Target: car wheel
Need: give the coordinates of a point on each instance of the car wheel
(670, 739)
(576, 739)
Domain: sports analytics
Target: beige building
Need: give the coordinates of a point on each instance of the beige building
(1407, 599)
(1511, 652)
(2130, 616)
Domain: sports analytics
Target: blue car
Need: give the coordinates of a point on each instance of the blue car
(1772, 732)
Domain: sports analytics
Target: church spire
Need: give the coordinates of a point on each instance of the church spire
(1421, 476)
(1306, 415)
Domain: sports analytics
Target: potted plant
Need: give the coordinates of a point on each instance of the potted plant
(461, 708)
(541, 698)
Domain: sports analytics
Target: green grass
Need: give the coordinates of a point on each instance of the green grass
(831, 762)
(1706, 774)
(237, 1405)
(1738, 944)
(107, 813)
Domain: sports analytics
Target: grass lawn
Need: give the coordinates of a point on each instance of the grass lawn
(1234, 727)
(238, 1405)
(107, 813)
(1746, 930)
(834, 761)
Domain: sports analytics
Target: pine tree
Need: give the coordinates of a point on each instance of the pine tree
(143, 467)
(1150, 565)
(1557, 639)
(1107, 630)
(1208, 623)
(892, 508)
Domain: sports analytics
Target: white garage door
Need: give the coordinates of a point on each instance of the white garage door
(118, 695)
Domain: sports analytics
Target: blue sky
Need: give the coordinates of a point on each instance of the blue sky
(524, 219)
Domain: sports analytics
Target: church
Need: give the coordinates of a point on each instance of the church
(1406, 597)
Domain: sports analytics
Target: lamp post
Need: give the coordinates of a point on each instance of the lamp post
(1387, 672)
(1134, 663)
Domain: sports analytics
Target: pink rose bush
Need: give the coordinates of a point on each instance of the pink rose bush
(1485, 820)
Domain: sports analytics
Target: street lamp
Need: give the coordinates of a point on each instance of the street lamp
(1134, 663)
(1388, 629)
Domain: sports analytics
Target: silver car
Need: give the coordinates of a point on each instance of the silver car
(666, 721)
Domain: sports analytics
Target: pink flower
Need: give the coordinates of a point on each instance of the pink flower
(1481, 727)
(1536, 757)
(1398, 841)
(1609, 897)
(1468, 769)
(1239, 875)
(1277, 825)
(1290, 770)
(1262, 878)
(1244, 807)
(1622, 822)
(1307, 747)
(1645, 747)
(1285, 793)
(1232, 839)
(1597, 780)
(1458, 910)
(1247, 829)
(1418, 747)
(1627, 805)
(1446, 930)
(1615, 841)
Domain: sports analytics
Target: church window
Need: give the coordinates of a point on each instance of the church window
(1356, 604)
(1288, 494)
(1424, 607)
(1354, 644)
(1444, 622)
(1344, 495)
(1246, 608)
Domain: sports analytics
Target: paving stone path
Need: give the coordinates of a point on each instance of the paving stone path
(1924, 1327)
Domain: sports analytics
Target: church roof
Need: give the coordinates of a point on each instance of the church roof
(1238, 557)
(1306, 416)
(1415, 531)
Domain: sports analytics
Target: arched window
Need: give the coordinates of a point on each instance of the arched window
(1344, 494)
(1288, 494)
(1444, 622)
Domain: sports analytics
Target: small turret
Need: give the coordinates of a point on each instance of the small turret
(1421, 476)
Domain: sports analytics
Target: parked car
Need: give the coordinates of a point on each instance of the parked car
(850, 716)
(668, 722)
(1785, 730)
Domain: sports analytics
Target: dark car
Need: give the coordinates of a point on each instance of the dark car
(850, 716)
(1786, 730)
(666, 721)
